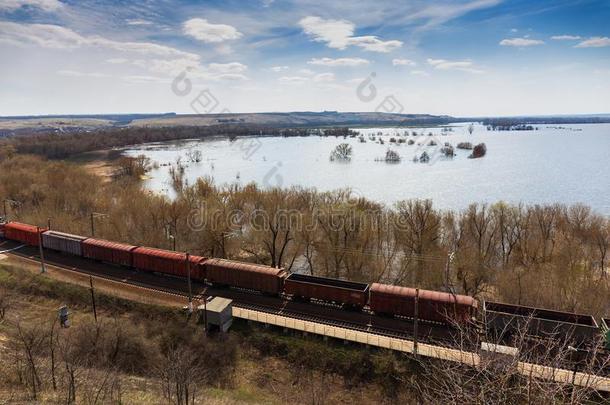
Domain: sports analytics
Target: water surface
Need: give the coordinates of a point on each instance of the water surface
(567, 164)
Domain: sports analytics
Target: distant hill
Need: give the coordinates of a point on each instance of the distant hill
(296, 119)
(83, 123)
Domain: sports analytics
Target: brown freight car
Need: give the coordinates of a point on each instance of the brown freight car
(168, 262)
(332, 290)
(24, 233)
(257, 277)
(432, 306)
(109, 252)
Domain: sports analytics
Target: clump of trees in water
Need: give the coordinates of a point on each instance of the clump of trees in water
(464, 145)
(552, 256)
(478, 151)
(342, 152)
(391, 156)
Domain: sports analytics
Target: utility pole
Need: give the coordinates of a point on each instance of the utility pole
(205, 313)
(450, 257)
(173, 238)
(93, 298)
(93, 216)
(188, 277)
(415, 321)
(49, 223)
(42, 266)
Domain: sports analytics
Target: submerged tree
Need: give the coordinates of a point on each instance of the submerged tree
(392, 156)
(342, 152)
(478, 151)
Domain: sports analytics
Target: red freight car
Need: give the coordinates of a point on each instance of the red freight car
(245, 275)
(431, 305)
(24, 233)
(327, 289)
(110, 252)
(167, 262)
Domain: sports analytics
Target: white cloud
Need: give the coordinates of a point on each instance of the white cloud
(293, 79)
(437, 14)
(339, 34)
(374, 44)
(138, 22)
(278, 69)
(324, 77)
(143, 79)
(356, 80)
(521, 42)
(338, 62)
(594, 42)
(231, 76)
(201, 29)
(403, 62)
(117, 61)
(57, 37)
(232, 67)
(171, 67)
(74, 73)
(320, 79)
(306, 72)
(45, 5)
(463, 65)
(565, 37)
(420, 73)
(335, 33)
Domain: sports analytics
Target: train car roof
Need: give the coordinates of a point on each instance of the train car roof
(425, 294)
(251, 267)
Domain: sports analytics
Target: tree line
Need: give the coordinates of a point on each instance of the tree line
(57, 145)
(552, 256)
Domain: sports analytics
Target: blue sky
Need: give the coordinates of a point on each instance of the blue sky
(460, 57)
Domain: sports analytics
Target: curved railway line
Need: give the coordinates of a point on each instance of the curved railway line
(177, 287)
(429, 334)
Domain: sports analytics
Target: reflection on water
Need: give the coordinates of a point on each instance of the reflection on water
(566, 164)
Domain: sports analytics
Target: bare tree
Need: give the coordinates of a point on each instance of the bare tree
(29, 345)
(499, 378)
(181, 375)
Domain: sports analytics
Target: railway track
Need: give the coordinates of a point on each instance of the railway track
(177, 287)
(430, 333)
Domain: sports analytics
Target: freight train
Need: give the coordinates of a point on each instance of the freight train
(501, 320)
